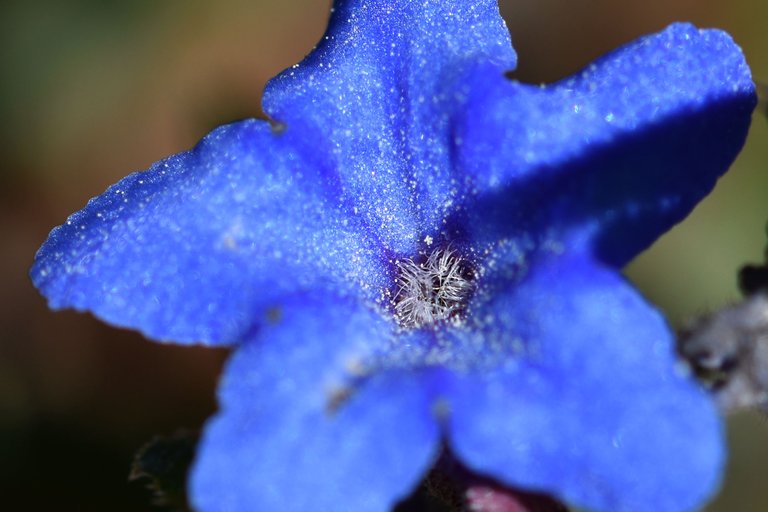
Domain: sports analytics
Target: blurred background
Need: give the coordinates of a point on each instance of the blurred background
(94, 89)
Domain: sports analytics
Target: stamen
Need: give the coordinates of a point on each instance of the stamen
(431, 291)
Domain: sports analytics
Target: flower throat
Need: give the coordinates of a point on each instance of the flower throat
(433, 290)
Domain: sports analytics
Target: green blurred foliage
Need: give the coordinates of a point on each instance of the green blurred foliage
(92, 90)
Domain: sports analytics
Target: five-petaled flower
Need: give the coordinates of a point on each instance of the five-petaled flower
(417, 250)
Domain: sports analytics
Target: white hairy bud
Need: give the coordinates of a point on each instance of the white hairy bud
(728, 351)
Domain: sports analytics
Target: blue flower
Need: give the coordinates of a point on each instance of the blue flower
(418, 250)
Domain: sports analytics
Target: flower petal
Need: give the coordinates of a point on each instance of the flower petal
(619, 152)
(381, 89)
(595, 409)
(192, 249)
(292, 437)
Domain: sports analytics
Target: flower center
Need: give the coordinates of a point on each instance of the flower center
(433, 290)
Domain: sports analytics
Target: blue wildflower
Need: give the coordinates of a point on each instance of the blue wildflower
(417, 250)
